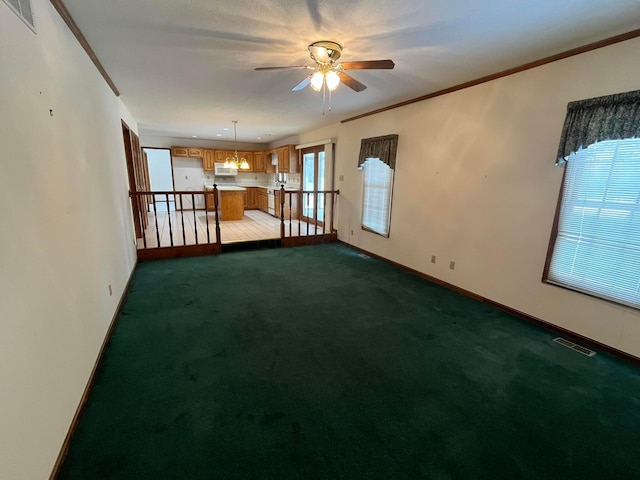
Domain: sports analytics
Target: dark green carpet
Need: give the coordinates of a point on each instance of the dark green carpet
(315, 362)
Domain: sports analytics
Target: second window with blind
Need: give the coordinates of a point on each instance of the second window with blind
(377, 194)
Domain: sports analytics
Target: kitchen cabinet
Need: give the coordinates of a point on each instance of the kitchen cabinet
(179, 152)
(219, 155)
(251, 198)
(208, 160)
(249, 157)
(287, 159)
(269, 167)
(191, 152)
(231, 204)
(259, 162)
(263, 200)
(210, 200)
(290, 211)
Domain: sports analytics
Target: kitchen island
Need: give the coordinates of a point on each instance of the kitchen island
(230, 202)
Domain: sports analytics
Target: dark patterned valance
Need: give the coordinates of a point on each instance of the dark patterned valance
(611, 117)
(384, 148)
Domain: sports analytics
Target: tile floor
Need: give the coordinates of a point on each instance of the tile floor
(256, 225)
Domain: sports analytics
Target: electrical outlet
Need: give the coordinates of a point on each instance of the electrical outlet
(433, 259)
(341, 178)
(186, 178)
(110, 291)
(351, 232)
(452, 265)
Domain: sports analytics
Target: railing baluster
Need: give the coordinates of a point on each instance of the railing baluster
(155, 214)
(307, 222)
(324, 213)
(315, 212)
(290, 211)
(206, 218)
(169, 218)
(282, 212)
(184, 239)
(333, 209)
(300, 210)
(215, 203)
(144, 230)
(195, 222)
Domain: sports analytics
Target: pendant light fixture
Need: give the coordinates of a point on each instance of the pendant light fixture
(234, 161)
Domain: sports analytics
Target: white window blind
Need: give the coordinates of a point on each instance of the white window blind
(378, 188)
(597, 248)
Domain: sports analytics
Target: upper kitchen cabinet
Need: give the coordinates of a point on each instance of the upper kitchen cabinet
(287, 159)
(249, 157)
(208, 160)
(179, 152)
(220, 156)
(259, 162)
(269, 167)
(191, 152)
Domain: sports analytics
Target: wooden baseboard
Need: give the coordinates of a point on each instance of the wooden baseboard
(524, 316)
(87, 389)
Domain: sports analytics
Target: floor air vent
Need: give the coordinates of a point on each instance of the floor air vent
(574, 346)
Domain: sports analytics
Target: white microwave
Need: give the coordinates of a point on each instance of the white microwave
(222, 171)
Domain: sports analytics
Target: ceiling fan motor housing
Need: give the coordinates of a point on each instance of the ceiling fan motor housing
(333, 51)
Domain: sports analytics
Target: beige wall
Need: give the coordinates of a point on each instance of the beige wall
(66, 233)
(476, 183)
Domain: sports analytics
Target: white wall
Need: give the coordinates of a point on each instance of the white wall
(66, 233)
(476, 183)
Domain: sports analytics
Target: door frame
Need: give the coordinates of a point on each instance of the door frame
(316, 149)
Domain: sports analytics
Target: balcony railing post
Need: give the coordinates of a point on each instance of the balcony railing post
(215, 204)
(282, 212)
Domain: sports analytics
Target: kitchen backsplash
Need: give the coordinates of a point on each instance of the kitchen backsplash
(264, 179)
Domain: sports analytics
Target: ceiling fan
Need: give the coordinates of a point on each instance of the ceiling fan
(328, 71)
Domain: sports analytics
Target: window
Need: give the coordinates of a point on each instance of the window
(377, 159)
(596, 248)
(376, 203)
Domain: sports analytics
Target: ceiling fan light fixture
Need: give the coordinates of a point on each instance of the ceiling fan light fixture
(317, 79)
(333, 80)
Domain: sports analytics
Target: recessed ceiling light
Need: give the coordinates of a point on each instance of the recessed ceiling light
(194, 136)
(218, 134)
(226, 129)
(259, 138)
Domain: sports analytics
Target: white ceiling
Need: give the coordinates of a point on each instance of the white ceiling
(185, 68)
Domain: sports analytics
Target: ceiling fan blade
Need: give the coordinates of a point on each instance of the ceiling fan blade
(282, 68)
(369, 64)
(351, 82)
(319, 54)
(302, 84)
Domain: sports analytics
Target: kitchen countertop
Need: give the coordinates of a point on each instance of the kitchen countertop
(274, 187)
(227, 188)
(244, 187)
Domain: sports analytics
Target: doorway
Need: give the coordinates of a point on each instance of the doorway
(313, 180)
(161, 176)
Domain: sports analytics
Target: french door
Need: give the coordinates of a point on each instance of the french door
(313, 181)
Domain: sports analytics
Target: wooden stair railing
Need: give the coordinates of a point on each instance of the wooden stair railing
(310, 230)
(181, 239)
